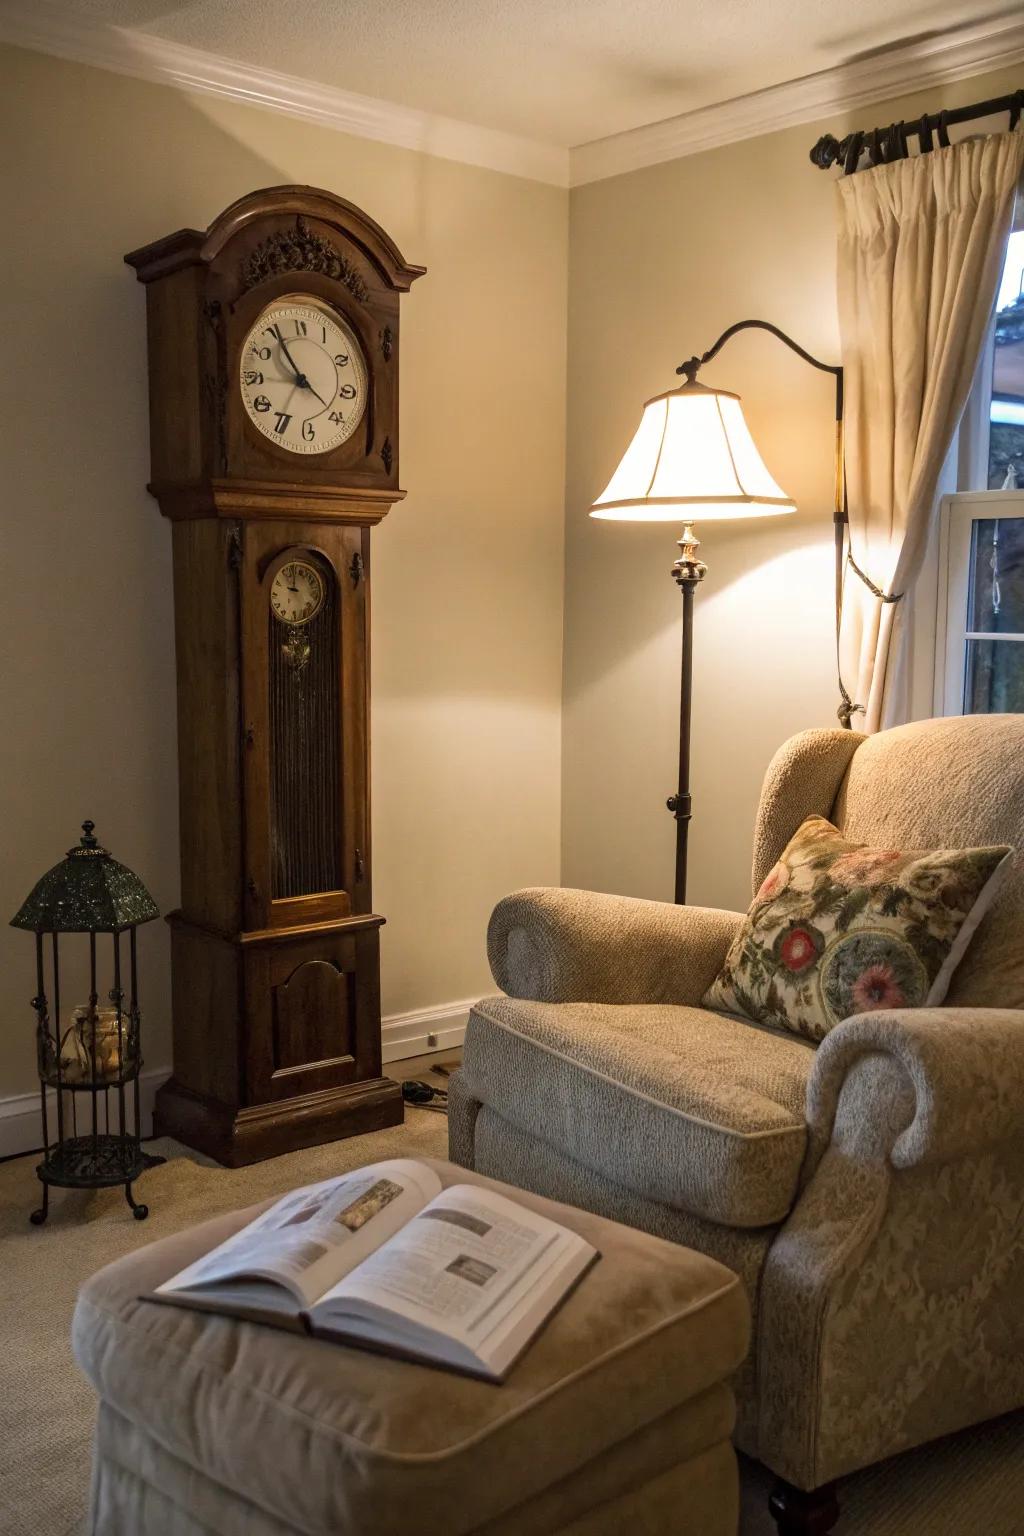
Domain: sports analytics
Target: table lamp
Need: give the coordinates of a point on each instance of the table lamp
(692, 457)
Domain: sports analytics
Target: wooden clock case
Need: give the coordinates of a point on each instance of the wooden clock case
(275, 949)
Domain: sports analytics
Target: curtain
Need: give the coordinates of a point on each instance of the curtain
(921, 247)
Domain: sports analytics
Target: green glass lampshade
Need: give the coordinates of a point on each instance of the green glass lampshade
(87, 892)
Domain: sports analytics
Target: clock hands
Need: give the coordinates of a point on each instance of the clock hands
(300, 377)
(323, 402)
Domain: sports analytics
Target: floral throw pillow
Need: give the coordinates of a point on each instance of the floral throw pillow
(838, 928)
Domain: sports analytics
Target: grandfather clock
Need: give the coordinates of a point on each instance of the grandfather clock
(273, 369)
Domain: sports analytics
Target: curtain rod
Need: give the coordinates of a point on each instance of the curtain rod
(886, 144)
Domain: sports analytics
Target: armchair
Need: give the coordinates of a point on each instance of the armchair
(869, 1191)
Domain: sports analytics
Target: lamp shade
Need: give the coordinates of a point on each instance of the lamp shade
(692, 457)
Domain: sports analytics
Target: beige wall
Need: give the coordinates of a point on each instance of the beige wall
(468, 570)
(661, 261)
(467, 617)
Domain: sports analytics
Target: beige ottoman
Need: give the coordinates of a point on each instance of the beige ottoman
(616, 1419)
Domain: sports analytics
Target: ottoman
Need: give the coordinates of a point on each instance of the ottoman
(617, 1417)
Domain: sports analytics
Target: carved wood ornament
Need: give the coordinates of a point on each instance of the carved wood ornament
(300, 250)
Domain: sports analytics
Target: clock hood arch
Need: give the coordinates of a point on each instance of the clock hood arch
(187, 247)
(212, 454)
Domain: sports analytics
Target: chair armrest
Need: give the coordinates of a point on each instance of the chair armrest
(957, 1072)
(566, 946)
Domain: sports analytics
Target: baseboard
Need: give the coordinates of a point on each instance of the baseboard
(417, 1033)
(425, 1029)
(21, 1125)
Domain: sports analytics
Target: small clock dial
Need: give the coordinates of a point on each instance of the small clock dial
(297, 592)
(303, 377)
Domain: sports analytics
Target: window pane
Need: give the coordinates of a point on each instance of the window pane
(1006, 439)
(994, 677)
(996, 603)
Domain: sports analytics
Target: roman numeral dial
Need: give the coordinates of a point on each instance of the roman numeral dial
(303, 377)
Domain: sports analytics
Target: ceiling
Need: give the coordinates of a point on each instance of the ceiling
(562, 72)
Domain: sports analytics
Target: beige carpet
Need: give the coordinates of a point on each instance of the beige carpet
(969, 1485)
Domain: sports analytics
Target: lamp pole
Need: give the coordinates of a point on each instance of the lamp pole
(688, 572)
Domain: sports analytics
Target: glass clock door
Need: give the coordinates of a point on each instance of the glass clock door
(305, 739)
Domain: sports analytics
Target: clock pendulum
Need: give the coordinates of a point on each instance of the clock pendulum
(273, 363)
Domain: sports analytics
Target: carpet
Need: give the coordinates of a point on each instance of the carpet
(46, 1407)
(967, 1485)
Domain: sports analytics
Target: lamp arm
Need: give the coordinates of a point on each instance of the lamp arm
(691, 367)
(694, 364)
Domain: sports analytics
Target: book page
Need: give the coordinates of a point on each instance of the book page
(462, 1267)
(315, 1235)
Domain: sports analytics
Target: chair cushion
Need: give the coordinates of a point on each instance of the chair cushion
(341, 1442)
(838, 928)
(699, 1110)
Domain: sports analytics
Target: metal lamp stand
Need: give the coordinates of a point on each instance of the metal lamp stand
(689, 572)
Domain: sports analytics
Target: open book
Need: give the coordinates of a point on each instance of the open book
(386, 1258)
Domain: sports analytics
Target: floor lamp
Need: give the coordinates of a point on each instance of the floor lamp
(693, 457)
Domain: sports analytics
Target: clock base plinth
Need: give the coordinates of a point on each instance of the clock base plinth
(238, 1135)
(277, 1038)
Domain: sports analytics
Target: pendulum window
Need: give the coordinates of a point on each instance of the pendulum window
(305, 729)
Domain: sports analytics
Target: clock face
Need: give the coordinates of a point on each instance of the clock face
(297, 592)
(303, 377)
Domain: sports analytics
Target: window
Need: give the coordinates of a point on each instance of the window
(1006, 397)
(981, 559)
(979, 657)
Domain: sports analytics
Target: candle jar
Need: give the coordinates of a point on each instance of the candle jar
(67, 1063)
(109, 1043)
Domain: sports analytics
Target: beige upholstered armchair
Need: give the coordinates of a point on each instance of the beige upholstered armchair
(869, 1190)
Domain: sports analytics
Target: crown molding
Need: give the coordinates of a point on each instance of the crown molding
(914, 66)
(46, 29)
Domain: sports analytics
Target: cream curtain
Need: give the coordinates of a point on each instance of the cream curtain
(921, 246)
